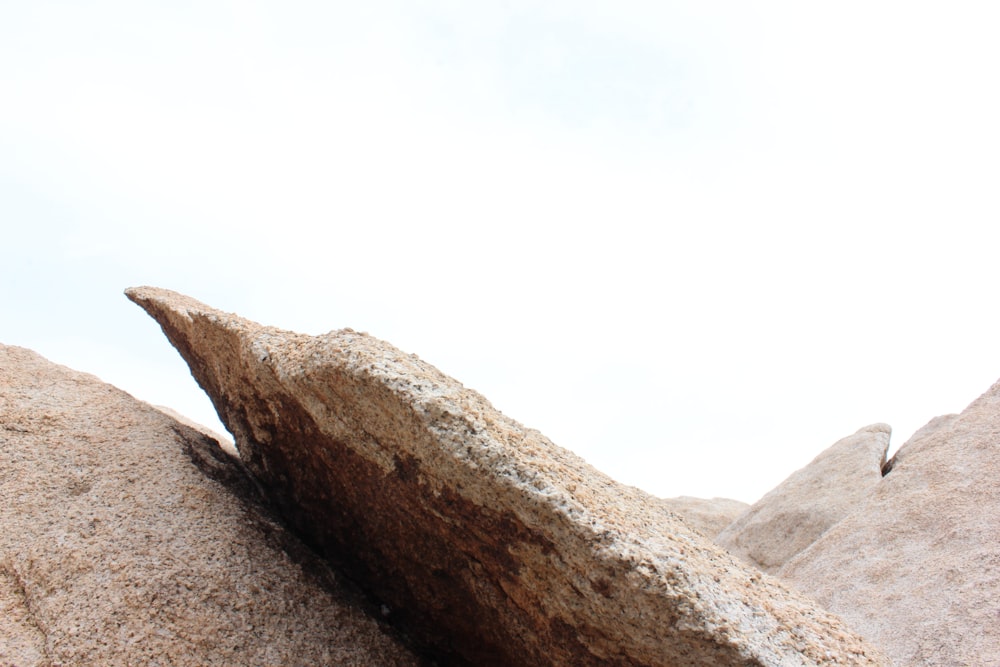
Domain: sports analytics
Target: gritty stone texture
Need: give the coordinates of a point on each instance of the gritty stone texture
(483, 539)
(707, 515)
(916, 567)
(22, 642)
(796, 512)
(127, 538)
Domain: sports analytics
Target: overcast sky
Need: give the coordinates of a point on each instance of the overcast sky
(694, 242)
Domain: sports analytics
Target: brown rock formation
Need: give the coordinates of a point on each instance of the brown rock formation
(127, 538)
(796, 512)
(916, 567)
(707, 515)
(484, 539)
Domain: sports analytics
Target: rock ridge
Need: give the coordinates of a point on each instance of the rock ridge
(479, 536)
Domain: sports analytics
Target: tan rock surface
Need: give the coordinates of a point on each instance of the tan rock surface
(916, 567)
(482, 538)
(800, 509)
(707, 515)
(127, 538)
(21, 641)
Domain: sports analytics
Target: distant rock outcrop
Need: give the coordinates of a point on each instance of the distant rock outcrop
(481, 538)
(796, 512)
(708, 515)
(916, 567)
(128, 538)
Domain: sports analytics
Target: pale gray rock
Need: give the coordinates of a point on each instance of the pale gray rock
(916, 567)
(128, 538)
(482, 539)
(937, 425)
(707, 515)
(811, 500)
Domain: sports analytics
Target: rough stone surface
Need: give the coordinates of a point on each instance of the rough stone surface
(707, 515)
(127, 538)
(22, 642)
(796, 512)
(916, 567)
(481, 537)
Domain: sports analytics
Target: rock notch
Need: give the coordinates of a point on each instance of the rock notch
(481, 538)
(916, 567)
(796, 512)
(128, 538)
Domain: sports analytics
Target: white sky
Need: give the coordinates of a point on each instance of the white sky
(694, 242)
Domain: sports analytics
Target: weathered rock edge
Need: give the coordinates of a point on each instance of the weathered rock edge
(487, 541)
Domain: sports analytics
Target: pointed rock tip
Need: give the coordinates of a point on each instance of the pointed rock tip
(876, 428)
(160, 303)
(148, 292)
(174, 300)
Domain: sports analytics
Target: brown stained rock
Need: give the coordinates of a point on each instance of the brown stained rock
(796, 512)
(707, 515)
(482, 538)
(916, 568)
(127, 538)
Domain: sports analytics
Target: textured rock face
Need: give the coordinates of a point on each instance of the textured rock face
(482, 538)
(707, 515)
(127, 538)
(916, 567)
(790, 518)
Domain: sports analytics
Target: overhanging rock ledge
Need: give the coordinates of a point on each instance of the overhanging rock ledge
(484, 540)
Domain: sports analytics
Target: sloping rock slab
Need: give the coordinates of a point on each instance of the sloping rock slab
(917, 566)
(127, 538)
(708, 515)
(481, 537)
(800, 509)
